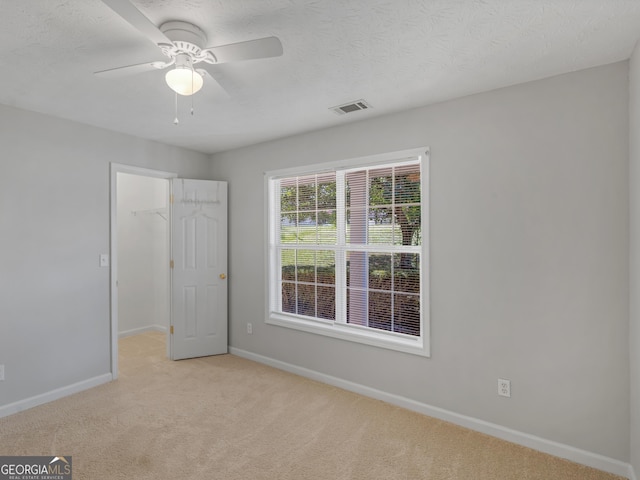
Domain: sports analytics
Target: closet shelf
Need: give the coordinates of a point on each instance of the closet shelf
(161, 212)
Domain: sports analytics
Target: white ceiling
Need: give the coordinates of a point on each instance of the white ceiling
(395, 54)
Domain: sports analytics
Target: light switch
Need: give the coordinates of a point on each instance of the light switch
(104, 259)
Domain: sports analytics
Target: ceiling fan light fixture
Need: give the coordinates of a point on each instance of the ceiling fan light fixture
(183, 79)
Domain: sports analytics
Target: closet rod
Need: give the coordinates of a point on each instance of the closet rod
(153, 211)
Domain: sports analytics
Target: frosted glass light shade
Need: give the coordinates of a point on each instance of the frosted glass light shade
(184, 81)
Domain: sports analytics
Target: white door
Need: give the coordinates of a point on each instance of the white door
(199, 268)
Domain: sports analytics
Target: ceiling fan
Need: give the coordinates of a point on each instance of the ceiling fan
(184, 45)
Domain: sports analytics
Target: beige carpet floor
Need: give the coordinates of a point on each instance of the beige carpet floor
(225, 417)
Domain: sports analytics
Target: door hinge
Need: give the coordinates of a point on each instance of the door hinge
(171, 199)
(171, 329)
(170, 263)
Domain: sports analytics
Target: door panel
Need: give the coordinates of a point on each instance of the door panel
(212, 245)
(198, 276)
(188, 250)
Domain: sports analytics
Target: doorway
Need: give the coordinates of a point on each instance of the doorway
(140, 235)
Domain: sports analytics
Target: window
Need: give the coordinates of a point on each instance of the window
(347, 250)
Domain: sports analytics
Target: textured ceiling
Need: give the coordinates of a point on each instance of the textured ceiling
(396, 54)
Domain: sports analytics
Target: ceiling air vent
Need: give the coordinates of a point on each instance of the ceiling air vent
(351, 107)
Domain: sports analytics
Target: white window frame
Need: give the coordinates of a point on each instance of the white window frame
(418, 345)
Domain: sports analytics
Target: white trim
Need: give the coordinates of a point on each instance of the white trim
(551, 447)
(138, 331)
(350, 163)
(632, 474)
(114, 169)
(56, 394)
(351, 333)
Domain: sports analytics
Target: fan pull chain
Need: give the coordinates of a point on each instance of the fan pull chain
(192, 72)
(175, 120)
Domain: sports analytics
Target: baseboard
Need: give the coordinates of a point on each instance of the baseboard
(47, 397)
(137, 331)
(561, 450)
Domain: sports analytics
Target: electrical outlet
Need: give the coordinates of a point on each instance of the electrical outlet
(504, 387)
(249, 328)
(1, 373)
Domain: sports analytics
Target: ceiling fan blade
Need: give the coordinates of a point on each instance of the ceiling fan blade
(128, 70)
(212, 85)
(131, 14)
(249, 50)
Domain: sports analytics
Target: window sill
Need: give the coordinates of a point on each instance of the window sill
(352, 333)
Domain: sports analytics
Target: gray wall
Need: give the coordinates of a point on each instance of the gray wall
(54, 211)
(529, 248)
(634, 177)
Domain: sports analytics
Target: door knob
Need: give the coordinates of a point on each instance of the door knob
(223, 276)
